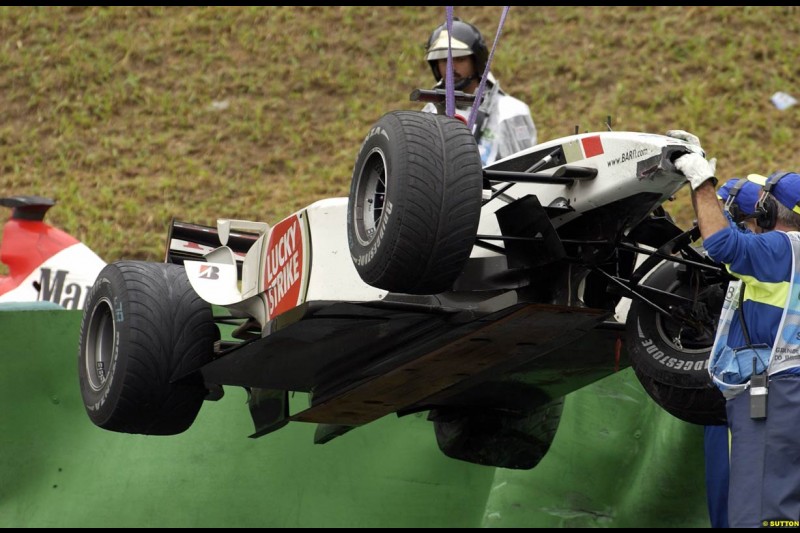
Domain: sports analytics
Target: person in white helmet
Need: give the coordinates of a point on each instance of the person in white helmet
(503, 125)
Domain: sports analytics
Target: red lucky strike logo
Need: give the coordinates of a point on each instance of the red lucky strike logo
(284, 266)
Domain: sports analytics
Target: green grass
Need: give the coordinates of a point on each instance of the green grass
(110, 110)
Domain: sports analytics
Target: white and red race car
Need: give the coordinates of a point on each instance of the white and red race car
(480, 295)
(44, 263)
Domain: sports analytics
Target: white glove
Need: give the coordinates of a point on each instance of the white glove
(684, 136)
(696, 169)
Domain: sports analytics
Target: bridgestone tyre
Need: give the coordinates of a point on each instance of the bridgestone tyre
(143, 335)
(415, 202)
(671, 360)
(492, 437)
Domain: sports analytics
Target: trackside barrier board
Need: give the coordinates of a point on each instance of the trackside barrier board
(617, 461)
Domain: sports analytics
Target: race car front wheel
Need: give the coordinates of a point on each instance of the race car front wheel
(517, 439)
(144, 334)
(669, 353)
(415, 202)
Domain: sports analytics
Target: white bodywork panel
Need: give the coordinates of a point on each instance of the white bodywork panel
(333, 275)
(285, 267)
(615, 155)
(65, 278)
(305, 257)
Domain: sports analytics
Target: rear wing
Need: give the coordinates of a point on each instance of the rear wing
(187, 241)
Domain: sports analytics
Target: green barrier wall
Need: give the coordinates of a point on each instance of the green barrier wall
(617, 461)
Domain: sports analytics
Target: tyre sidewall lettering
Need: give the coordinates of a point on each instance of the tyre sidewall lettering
(377, 130)
(675, 378)
(118, 314)
(373, 248)
(376, 140)
(670, 360)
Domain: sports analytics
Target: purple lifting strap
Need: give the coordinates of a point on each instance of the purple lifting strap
(474, 114)
(450, 98)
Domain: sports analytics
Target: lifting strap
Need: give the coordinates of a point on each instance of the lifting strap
(450, 105)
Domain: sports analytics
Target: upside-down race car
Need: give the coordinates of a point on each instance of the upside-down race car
(479, 295)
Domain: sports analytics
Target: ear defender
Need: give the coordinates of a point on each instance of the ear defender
(731, 207)
(766, 212)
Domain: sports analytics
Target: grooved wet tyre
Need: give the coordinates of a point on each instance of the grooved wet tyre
(143, 335)
(493, 437)
(415, 202)
(671, 360)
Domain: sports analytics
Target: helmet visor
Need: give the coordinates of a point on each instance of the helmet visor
(438, 50)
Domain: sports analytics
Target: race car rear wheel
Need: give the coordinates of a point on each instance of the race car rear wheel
(415, 202)
(670, 357)
(143, 335)
(494, 437)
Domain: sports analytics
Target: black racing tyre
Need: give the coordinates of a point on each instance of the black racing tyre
(143, 335)
(699, 405)
(670, 358)
(415, 202)
(493, 437)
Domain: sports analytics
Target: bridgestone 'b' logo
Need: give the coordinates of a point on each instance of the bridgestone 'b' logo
(209, 272)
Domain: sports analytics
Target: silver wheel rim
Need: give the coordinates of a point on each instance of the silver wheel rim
(370, 197)
(669, 336)
(99, 344)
